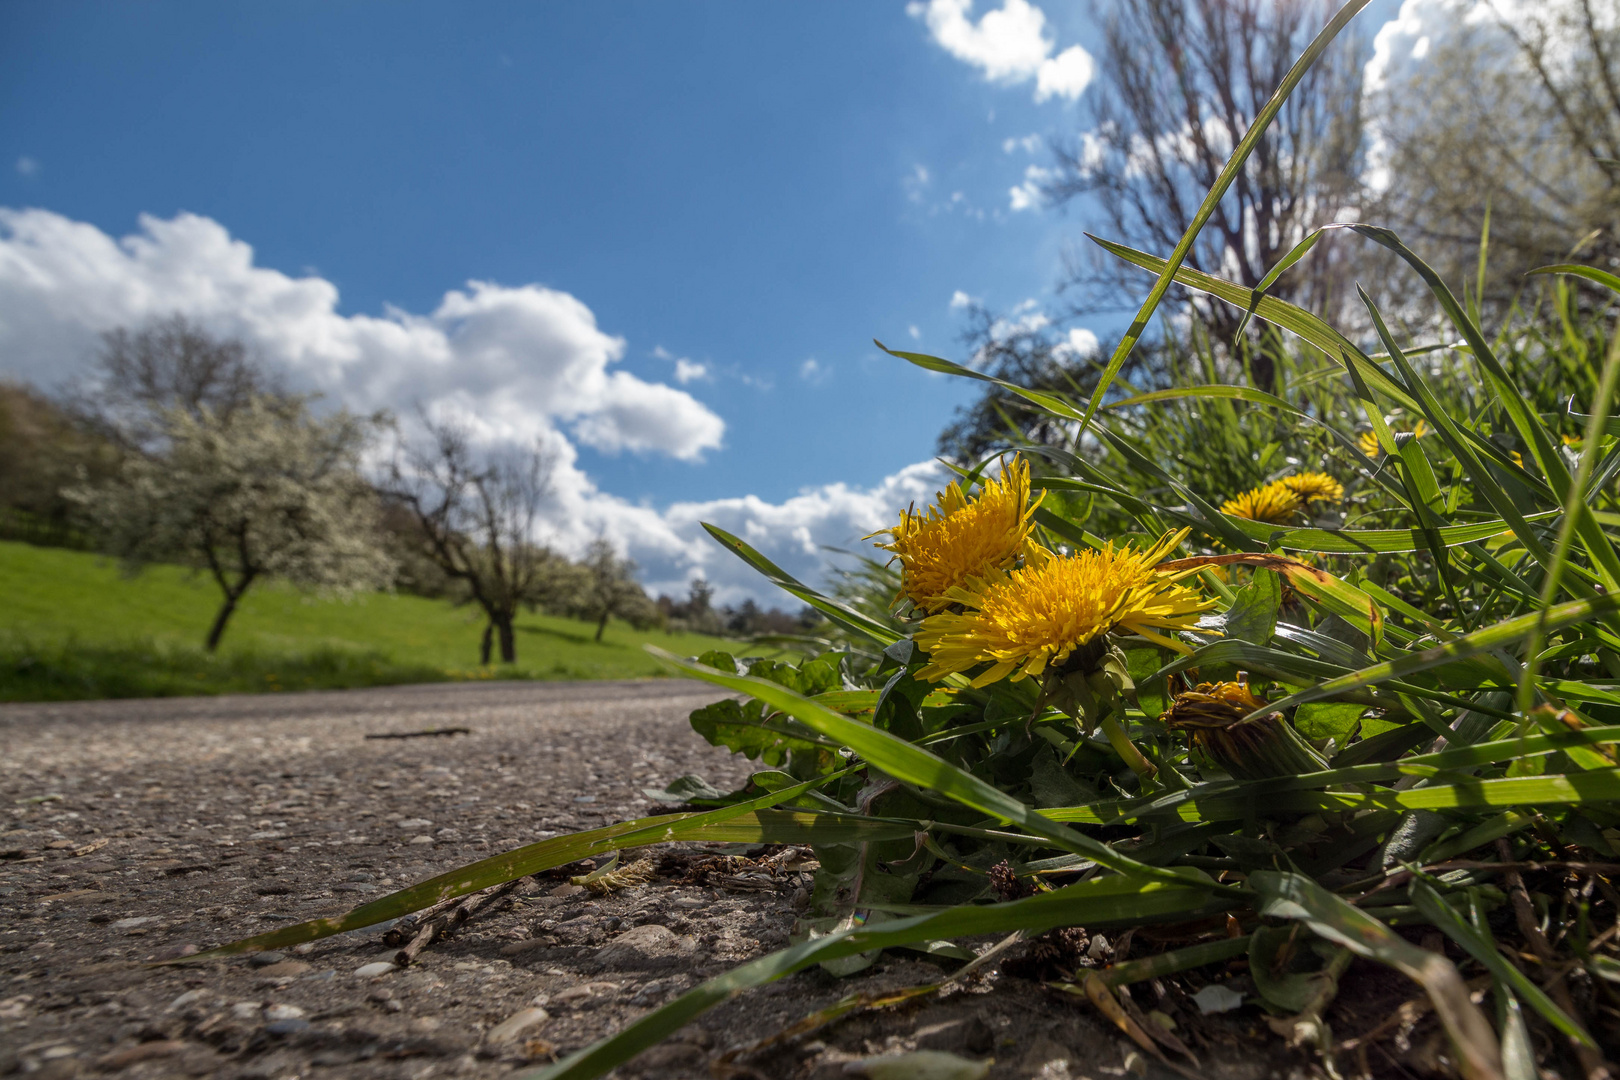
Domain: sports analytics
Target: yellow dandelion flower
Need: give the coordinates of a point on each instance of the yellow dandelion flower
(959, 538)
(1036, 616)
(1314, 487)
(1368, 442)
(1571, 440)
(1276, 503)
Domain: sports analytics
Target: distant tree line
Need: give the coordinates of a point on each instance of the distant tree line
(698, 615)
(179, 448)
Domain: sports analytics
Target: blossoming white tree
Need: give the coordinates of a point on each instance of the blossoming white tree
(476, 518)
(268, 491)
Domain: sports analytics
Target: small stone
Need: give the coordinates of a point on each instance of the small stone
(565, 889)
(517, 1025)
(639, 946)
(934, 1064)
(305, 949)
(286, 967)
(146, 1051)
(185, 999)
(265, 959)
(290, 1026)
(423, 839)
(246, 1010)
(414, 823)
(130, 924)
(1215, 998)
(372, 971)
(273, 1013)
(175, 952)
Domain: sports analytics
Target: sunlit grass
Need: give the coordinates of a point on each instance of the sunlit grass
(72, 625)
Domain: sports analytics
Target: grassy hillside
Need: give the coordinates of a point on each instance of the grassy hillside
(73, 626)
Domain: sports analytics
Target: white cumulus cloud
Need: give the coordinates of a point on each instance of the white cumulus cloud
(515, 364)
(513, 360)
(690, 371)
(1027, 195)
(1009, 44)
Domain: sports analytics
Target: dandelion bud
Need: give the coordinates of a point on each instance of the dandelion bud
(1211, 715)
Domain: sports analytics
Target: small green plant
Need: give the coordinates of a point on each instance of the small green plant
(1107, 688)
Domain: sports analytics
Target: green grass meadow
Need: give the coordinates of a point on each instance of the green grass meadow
(73, 625)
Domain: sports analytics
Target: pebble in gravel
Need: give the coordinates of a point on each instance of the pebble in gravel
(517, 1025)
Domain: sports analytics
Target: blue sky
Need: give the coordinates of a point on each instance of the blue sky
(720, 205)
(731, 183)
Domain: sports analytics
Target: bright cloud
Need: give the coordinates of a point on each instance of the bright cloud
(690, 371)
(515, 364)
(1079, 342)
(513, 361)
(1066, 75)
(1009, 44)
(960, 299)
(1403, 44)
(1027, 195)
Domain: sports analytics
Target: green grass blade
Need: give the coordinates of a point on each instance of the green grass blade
(1574, 504)
(1520, 412)
(1448, 922)
(1296, 320)
(1377, 541)
(912, 764)
(1050, 403)
(1480, 641)
(749, 822)
(1168, 963)
(1300, 250)
(1572, 789)
(1212, 198)
(1104, 901)
(1590, 273)
(1293, 896)
(846, 617)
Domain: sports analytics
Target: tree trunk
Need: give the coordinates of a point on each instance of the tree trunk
(483, 648)
(508, 641)
(217, 631)
(601, 626)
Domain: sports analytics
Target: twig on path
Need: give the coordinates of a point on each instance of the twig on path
(424, 733)
(417, 932)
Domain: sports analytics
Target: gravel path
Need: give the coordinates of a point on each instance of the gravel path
(145, 829)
